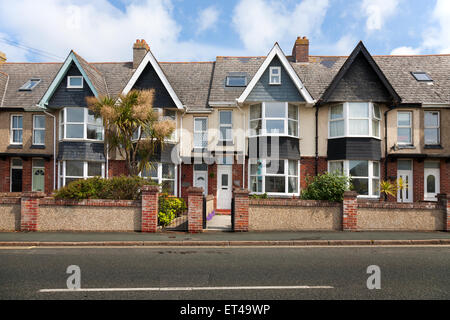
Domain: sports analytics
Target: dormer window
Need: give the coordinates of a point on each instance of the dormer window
(236, 81)
(30, 84)
(275, 75)
(421, 76)
(75, 82)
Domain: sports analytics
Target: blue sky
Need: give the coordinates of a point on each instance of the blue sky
(182, 30)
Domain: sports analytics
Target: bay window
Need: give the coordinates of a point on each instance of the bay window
(273, 118)
(163, 174)
(354, 119)
(274, 176)
(79, 123)
(365, 175)
(72, 170)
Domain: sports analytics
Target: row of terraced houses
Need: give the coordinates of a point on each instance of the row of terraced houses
(262, 123)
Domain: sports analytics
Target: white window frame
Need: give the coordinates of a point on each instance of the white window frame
(438, 127)
(38, 129)
(36, 167)
(159, 178)
(409, 127)
(346, 114)
(226, 125)
(286, 120)
(264, 174)
(12, 129)
(228, 81)
(27, 85)
(63, 176)
(274, 75)
(69, 86)
(206, 134)
(85, 123)
(370, 177)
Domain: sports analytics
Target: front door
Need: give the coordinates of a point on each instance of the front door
(224, 189)
(431, 187)
(201, 180)
(405, 173)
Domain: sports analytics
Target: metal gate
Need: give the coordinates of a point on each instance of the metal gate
(232, 214)
(204, 212)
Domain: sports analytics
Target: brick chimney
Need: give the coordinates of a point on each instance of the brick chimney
(140, 49)
(2, 57)
(300, 51)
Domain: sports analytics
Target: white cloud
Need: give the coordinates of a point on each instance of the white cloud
(377, 12)
(97, 30)
(405, 51)
(207, 19)
(261, 23)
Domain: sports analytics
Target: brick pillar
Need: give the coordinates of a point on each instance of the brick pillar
(195, 209)
(29, 210)
(444, 199)
(240, 209)
(149, 222)
(349, 211)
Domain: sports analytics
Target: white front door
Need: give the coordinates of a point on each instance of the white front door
(224, 186)
(201, 180)
(405, 172)
(432, 185)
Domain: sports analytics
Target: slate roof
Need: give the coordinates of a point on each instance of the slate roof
(197, 83)
(3, 83)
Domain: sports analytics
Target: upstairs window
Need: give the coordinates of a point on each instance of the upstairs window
(404, 127)
(354, 119)
(421, 76)
(236, 81)
(79, 123)
(16, 129)
(74, 82)
(225, 125)
(432, 128)
(38, 130)
(30, 84)
(275, 75)
(200, 133)
(274, 118)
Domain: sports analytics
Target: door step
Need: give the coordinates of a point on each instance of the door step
(223, 211)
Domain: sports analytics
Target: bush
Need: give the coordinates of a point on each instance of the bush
(118, 188)
(327, 186)
(170, 207)
(258, 196)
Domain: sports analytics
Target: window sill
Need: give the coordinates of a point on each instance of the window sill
(37, 146)
(433, 146)
(15, 146)
(225, 143)
(406, 146)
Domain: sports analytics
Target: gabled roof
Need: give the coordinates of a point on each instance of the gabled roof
(359, 49)
(276, 51)
(91, 76)
(149, 58)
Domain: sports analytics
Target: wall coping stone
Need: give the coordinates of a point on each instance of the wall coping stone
(293, 202)
(90, 202)
(194, 190)
(150, 189)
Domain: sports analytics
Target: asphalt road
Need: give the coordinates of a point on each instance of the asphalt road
(406, 272)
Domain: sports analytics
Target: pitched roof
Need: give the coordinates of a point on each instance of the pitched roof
(97, 79)
(3, 84)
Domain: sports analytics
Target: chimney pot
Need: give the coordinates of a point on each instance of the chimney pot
(300, 51)
(140, 48)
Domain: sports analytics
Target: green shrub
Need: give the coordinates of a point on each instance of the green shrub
(170, 207)
(258, 196)
(118, 188)
(327, 186)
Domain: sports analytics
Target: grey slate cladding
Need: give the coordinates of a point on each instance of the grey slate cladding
(354, 149)
(273, 147)
(83, 151)
(65, 97)
(286, 91)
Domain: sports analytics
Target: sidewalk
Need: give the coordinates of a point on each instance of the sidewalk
(222, 238)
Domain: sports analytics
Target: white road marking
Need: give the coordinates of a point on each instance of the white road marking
(186, 288)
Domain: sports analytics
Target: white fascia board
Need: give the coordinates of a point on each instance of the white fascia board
(222, 103)
(276, 50)
(435, 105)
(60, 75)
(150, 58)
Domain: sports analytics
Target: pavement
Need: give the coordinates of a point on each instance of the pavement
(218, 238)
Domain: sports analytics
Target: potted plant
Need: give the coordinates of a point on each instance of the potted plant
(387, 188)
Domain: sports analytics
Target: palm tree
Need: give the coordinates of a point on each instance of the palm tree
(132, 127)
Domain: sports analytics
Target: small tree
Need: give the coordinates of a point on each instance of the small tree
(327, 186)
(132, 127)
(388, 188)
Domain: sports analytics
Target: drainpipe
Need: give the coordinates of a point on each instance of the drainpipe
(54, 144)
(181, 161)
(385, 146)
(316, 160)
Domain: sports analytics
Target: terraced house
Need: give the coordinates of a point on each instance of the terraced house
(261, 123)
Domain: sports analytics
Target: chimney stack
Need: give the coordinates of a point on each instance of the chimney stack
(140, 49)
(300, 51)
(2, 57)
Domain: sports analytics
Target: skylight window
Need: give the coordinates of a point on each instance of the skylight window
(236, 81)
(30, 84)
(421, 76)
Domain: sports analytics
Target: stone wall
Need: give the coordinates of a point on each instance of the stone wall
(10, 214)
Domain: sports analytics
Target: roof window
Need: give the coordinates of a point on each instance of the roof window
(236, 81)
(30, 84)
(421, 76)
